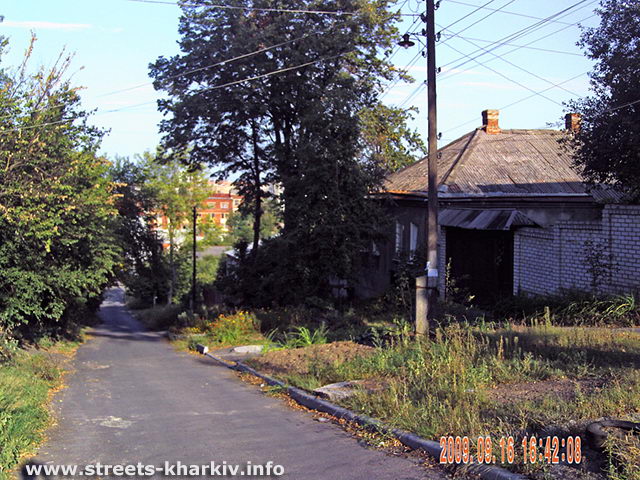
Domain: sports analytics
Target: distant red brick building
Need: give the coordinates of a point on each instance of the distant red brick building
(221, 203)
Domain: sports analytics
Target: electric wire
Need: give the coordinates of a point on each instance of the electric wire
(524, 69)
(215, 87)
(189, 72)
(455, 70)
(470, 13)
(508, 12)
(476, 22)
(514, 36)
(252, 9)
(524, 99)
(546, 50)
(507, 77)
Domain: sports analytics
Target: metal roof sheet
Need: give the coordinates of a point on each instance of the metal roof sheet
(513, 162)
(479, 219)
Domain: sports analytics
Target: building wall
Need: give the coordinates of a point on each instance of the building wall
(379, 266)
(220, 204)
(556, 258)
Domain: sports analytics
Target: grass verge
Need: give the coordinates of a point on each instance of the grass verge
(27, 382)
(505, 381)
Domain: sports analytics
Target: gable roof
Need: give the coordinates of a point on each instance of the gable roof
(509, 163)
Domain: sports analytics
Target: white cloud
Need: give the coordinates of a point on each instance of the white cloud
(35, 25)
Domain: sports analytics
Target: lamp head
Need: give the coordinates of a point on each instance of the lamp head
(406, 42)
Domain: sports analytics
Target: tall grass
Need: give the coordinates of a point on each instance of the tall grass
(572, 309)
(25, 382)
(444, 385)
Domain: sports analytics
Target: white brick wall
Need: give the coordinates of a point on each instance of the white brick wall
(552, 259)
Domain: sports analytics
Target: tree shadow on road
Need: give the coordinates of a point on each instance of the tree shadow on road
(28, 469)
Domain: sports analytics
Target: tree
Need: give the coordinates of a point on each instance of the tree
(607, 144)
(241, 226)
(295, 122)
(57, 249)
(143, 269)
(177, 191)
(386, 138)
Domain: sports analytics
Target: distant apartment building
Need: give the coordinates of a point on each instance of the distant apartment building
(221, 203)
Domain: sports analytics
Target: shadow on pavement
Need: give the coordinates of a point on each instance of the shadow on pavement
(32, 465)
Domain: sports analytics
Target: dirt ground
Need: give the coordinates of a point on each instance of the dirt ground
(298, 360)
(564, 388)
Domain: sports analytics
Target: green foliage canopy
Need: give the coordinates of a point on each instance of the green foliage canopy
(387, 139)
(608, 143)
(294, 123)
(57, 251)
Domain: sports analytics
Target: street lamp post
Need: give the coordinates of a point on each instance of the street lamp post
(427, 285)
(193, 258)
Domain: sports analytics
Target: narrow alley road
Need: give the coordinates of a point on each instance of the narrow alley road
(133, 399)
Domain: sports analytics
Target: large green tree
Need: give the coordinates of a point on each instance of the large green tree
(387, 138)
(177, 190)
(57, 250)
(143, 270)
(286, 109)
(607, 144)
(241, 225)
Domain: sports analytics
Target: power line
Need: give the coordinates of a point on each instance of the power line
(548, 50)
(229, 84)
(510, 51)
(519, 34)
(417, 56)
(469, 14)
(206, 67)
(189, 72)
(507, 12)
(504, 76)
(524, 99)
(524, 69)
(418, 89)
(476, 22)
(282, 70)
(397, 80)
(623, 106)
(253, 9)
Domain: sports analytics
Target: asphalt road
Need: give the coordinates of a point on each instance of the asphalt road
(133, 399)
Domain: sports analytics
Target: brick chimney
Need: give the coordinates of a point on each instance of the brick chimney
(572, 122)
(490, 121)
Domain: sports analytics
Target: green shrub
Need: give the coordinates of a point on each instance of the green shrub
(160, 317)
(303, 337)
(229, 329)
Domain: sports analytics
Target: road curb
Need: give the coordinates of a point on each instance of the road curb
(411, 440)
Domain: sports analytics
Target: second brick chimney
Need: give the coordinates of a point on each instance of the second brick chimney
(490, 121)
(572, 122)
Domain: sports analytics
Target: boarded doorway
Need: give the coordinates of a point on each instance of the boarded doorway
(481, 262)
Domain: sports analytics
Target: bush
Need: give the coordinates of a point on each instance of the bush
(231, 328)
(160, 317)
(8, 346)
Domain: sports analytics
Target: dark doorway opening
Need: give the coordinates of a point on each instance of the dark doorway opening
(481, 263)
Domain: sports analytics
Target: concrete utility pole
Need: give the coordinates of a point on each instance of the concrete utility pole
(427, 286)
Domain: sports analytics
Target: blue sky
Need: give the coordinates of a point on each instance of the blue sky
(115, 40)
